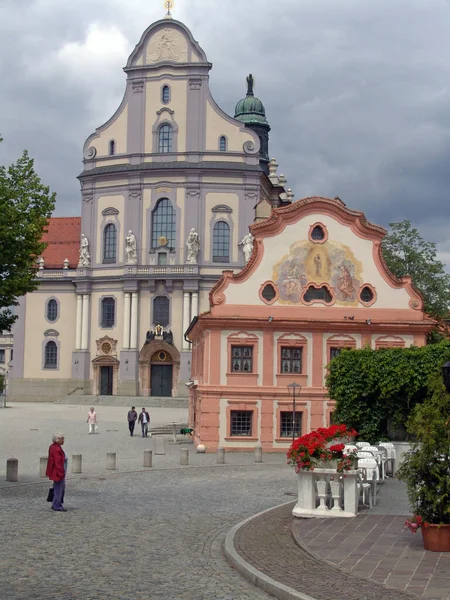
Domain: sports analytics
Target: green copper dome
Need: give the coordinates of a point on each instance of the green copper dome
(250, 110)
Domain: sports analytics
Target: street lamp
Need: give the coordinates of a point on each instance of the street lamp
(446, 375)
(293, 389)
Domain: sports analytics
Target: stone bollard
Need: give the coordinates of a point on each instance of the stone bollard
(160, 445)
(258, 454)
(12, 469)
(148, 458)
(111, 461)
(76, 463)
(220, 456)
(43, 466)
(184, 456)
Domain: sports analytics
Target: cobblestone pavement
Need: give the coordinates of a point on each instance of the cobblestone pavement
(137, 536)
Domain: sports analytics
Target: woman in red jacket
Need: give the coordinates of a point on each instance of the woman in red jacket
(56, 471)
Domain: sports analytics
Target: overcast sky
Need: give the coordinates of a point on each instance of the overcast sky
(357, 91)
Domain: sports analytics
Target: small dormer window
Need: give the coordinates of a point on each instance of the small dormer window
(223, 144)
(165, 94)
(112, 148)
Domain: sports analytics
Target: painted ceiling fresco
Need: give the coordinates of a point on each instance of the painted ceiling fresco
(308, 263)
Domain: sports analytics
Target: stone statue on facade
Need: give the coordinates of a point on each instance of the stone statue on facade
(193, 246)
(130, 248)
(85, 257)
(247, 246)
(168, 337)
(149, 337)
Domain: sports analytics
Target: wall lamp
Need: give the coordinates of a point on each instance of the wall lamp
(270, 319)
(369, 322)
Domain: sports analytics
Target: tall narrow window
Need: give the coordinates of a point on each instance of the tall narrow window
(108, 312)
(51, 355)
(165, 94)
(221, 242)
(223, 143)
(109, 243)
(112, 148)
(52, 310)
(165, 139)
(161, 310)
(163, 224)
(2, 356)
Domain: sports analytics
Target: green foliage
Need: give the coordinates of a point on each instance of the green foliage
(25, 207)
(426, 468)
(407, 253)
(374, 387)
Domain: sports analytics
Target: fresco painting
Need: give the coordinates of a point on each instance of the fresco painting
(331, 263)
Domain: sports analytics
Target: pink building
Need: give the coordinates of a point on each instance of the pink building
(315, 283)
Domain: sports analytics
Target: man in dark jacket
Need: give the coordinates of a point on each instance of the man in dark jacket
(132, 417)
(144, 420)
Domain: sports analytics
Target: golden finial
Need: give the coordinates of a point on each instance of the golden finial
(168, 4)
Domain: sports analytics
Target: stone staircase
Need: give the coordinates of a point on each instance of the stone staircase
(138, 401)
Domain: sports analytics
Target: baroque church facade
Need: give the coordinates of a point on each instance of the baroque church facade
(170, 185)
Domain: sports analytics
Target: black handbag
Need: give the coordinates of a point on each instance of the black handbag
(50, 495)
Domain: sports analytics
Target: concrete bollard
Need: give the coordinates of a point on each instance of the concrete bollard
(160, 445)
(76, 463)
(42, 466)
(184, 456)
(220, 456)
(258, 454)
(111, 461)
(12, 469)
(148, 458)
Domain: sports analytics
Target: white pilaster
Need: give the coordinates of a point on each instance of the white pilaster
(134, 320)
(85, 321)
(186, 321)
(78, 322)
(126, 320)
(194, 305)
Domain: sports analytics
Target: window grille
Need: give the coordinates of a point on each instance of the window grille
(242, 359)
(161, 311)
(51, 355)
(52, 310)
(286, 424)
(335, 351)
(163, 223)
(291, 360)
(165, 139)
(108, 312)
(221, 242)
(241, 422)
(109, 243)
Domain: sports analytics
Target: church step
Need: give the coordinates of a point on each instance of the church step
(138, 401)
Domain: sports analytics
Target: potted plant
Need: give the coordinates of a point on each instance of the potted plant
(426, 469)
(322, 448)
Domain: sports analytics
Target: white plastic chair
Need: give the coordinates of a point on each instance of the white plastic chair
(370, 467)
(391, 455)
(364, 454)
(350, 448)
(365, 489)
(378, 455)
(362, 444)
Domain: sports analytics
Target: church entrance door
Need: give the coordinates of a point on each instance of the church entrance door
(106, 381)
(161, 380)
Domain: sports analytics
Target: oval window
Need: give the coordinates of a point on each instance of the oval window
(317, 234)
(366, 295)
(268, 292)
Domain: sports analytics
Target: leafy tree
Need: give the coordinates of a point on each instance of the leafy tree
(25, 207)
(374, 388)
(407, 253)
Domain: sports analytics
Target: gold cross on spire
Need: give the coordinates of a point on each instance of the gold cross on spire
(168, 4)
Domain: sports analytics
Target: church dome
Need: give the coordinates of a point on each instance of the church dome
(250, 110)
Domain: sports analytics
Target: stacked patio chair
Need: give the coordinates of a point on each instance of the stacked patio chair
(369, 466)
(391, 456)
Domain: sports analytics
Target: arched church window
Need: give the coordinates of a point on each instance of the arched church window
(109, 243)
(222, 143)
(165, 94)
(163, 224)
(108, 312)
(112, 148)
(51, 355)
(52, 310)
(221, 242)
(165, 139)
(161, 311)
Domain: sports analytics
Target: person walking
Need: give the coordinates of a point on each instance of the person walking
(92, 420)
(132, 417)
(56, 471)
(144, 420)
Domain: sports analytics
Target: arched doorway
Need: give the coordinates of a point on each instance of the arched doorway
(159, 369)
